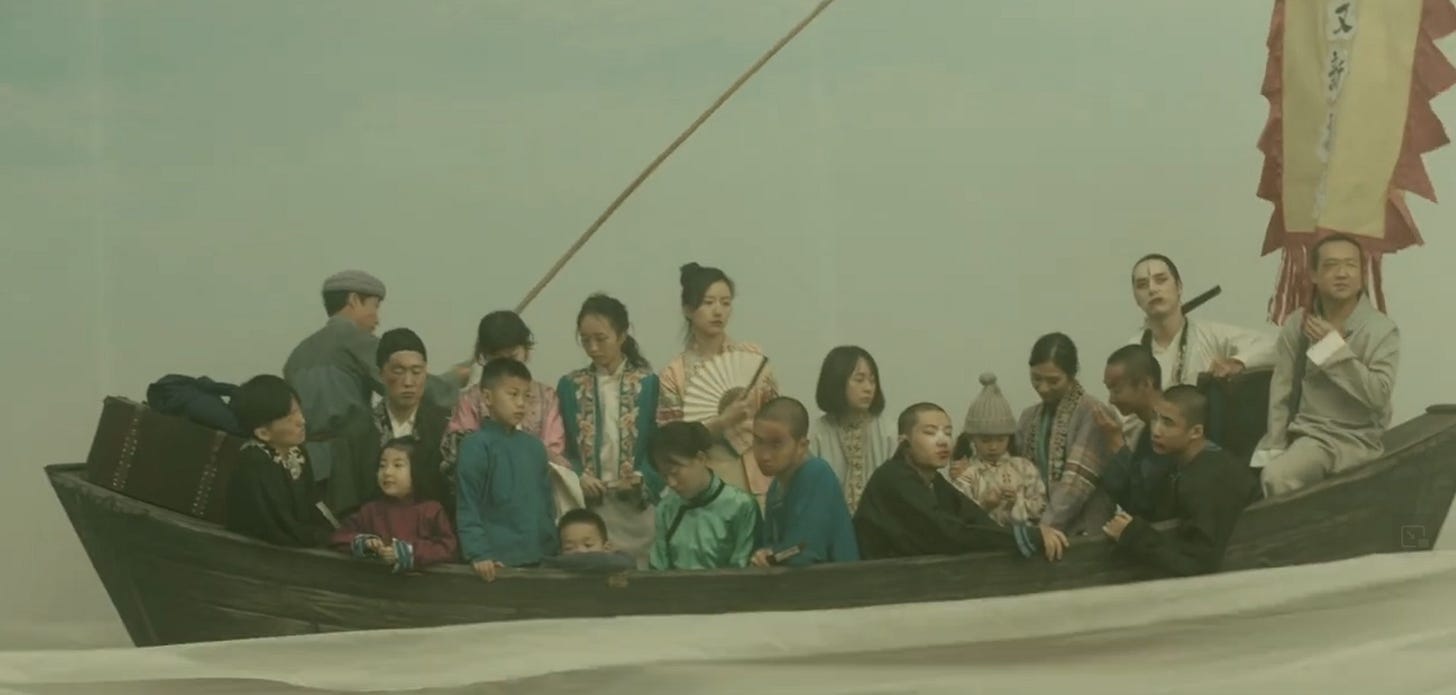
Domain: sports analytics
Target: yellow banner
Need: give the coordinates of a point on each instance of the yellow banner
(1347, 79)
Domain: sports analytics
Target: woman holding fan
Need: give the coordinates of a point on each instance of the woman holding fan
(717, 381)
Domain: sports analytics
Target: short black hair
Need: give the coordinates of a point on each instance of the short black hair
(1314, 251)
(502, 330)
(834, 377)
(425, 480)
(906, 423)
(1190, 402)
(911, 415)
(1058, 349)
(788, 411)
(336, 300)
(407, 445)
(398, 340)
(582, 516)
(496, 370)
(261, 400)
(1138, 364)
(680, 439)
(1172, 267)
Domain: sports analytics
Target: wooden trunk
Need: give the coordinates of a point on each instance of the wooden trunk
(164, 460)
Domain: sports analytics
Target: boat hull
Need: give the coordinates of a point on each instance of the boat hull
(176, 579)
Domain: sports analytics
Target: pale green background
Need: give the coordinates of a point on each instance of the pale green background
(939, 180)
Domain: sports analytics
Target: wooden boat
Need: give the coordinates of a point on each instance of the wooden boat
(175, 577)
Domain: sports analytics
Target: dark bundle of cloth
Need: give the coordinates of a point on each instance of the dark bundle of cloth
(198, 399)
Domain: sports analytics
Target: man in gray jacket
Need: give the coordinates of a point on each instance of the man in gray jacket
(1330, 399)
(335, 375)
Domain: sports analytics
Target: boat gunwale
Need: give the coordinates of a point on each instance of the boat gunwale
(73, 475)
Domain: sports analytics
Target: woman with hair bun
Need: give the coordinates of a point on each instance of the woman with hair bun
(707, 305)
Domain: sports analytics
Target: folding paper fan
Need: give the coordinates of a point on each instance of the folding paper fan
(713, 386)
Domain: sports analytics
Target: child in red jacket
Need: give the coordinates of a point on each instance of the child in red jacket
(402, 531)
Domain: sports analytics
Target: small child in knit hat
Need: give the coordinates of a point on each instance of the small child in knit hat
(1009, 488)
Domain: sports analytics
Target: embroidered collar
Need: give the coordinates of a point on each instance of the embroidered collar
(291, 461)
(1004, 458)
(613, 374)
(386, 418)
(852, 431)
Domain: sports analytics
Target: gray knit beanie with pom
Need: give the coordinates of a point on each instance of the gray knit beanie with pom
(990, 414)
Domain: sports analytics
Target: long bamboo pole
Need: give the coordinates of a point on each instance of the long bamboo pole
(637, 182)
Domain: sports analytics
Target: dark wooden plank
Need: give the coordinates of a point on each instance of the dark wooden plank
(165, 570)
(182, 619)
(103, 554)
(314, 604)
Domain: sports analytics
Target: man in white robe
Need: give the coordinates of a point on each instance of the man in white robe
(1330, 398)
(1185, 348)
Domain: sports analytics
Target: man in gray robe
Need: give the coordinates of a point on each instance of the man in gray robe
(335, 373)
(1330, 398)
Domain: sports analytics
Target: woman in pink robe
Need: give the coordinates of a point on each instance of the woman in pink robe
(707, 301)
(504, 334)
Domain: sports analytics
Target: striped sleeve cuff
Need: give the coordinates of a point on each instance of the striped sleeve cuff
(358, 545)
(404, 556)
(1028, 539)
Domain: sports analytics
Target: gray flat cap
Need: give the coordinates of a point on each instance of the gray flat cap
(355, 281)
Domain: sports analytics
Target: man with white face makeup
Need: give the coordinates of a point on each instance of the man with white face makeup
(1186, 348)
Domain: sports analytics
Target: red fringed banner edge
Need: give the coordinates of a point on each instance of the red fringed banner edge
(1431, 74)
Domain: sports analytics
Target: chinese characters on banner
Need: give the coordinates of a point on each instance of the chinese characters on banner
(1349, 84)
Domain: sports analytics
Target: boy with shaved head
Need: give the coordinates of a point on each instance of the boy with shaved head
(806, 520)
(1208, 492)
(1135, 477)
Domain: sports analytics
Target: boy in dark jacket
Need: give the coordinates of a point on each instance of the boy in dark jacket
(1208, 493)
(271, 495)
